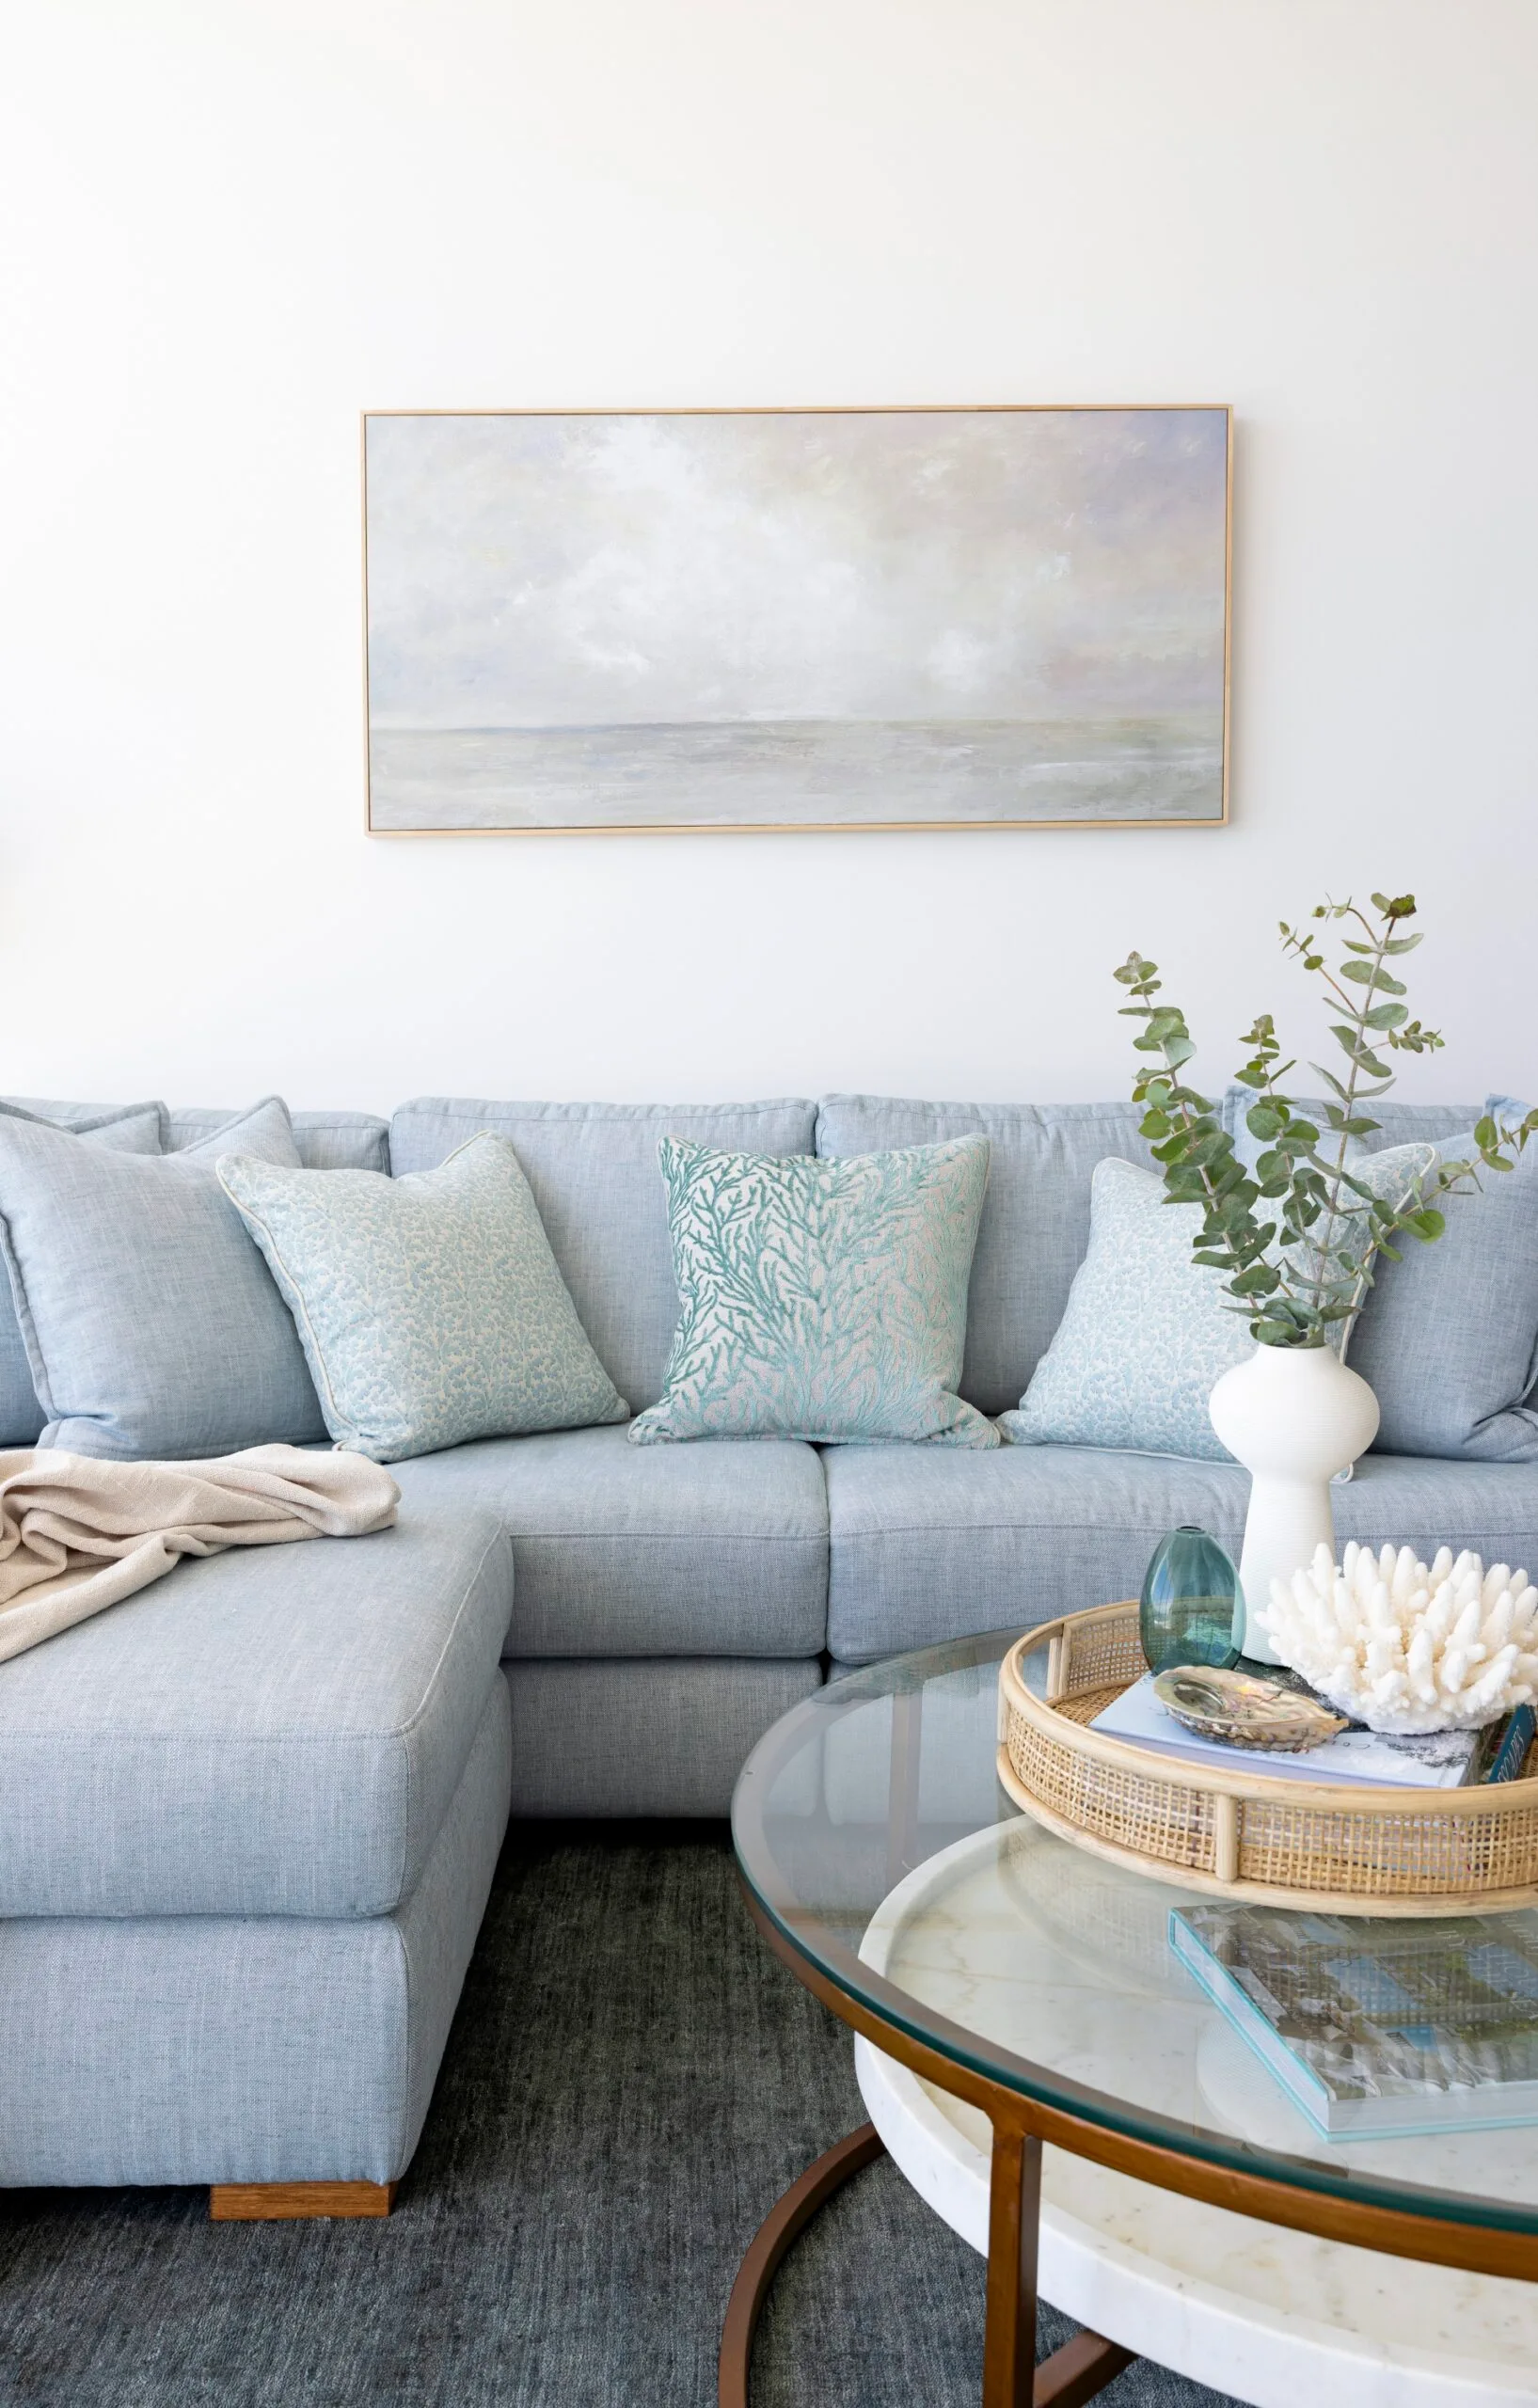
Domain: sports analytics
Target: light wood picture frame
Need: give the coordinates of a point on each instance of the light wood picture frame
(621, 622)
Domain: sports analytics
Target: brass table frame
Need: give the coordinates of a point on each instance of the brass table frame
(1022, 2124)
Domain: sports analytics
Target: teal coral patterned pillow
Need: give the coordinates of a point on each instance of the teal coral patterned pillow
(821, 1300)
(430, 1308)
(1145, 1338)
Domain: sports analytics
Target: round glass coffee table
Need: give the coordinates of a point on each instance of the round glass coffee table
(1054, 2084)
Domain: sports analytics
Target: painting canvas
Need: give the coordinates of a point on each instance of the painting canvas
(796, 618)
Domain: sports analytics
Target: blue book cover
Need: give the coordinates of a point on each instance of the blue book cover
(1376, 2028)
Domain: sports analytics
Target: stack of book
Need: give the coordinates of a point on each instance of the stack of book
(1420, 1760)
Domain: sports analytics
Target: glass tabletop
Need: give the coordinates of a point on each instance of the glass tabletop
(871, 1827)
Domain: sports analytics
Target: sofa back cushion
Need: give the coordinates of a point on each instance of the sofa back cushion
(152, 1323)
(1034, 1228)
(325, 1140)
(596, 1178)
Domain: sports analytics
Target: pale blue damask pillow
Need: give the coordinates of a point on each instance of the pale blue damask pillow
(430, 1308)
(1145, 1336)
(820, 1300)
(1148, 1333)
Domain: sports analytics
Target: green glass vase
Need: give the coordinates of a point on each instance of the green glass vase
(1192, 1609)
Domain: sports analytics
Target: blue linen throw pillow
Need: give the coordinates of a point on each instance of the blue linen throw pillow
(429, 1306)
(123, 1129)
(1447, 1339)
(824, 1300)
(152, 1327)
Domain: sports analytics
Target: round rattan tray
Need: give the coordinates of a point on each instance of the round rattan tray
(1245, 1834)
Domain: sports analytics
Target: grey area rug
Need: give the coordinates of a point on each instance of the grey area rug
(630, 2083)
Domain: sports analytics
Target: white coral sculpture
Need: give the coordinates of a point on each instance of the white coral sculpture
(1404, 1648)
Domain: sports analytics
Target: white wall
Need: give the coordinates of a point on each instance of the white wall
(229, 224)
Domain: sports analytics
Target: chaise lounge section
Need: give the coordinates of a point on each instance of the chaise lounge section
(246, 1839)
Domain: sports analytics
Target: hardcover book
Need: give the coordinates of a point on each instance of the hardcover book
(1377, 2029)
(1416, 1760)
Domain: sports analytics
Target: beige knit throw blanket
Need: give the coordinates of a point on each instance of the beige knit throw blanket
(77, 1535)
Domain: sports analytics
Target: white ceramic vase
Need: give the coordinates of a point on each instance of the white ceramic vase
(1293, 1416)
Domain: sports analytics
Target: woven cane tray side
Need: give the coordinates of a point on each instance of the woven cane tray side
(1246, 1834)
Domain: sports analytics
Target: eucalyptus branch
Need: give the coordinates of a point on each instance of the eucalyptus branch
(1310, 1265)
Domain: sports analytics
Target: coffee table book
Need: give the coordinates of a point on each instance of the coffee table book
(1378, 2030)
(1418, 1760)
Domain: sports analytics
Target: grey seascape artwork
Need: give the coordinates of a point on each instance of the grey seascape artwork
(796, 618)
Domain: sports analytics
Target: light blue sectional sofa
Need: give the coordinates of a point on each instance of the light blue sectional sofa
(251, 1819)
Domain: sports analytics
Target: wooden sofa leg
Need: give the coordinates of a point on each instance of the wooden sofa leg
(260, 2202)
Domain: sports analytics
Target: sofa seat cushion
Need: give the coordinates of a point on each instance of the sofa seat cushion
(925, 1546)
(717, 1548)
(276, 1730)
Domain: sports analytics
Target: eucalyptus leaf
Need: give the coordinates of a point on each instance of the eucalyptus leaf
(1305, 1265)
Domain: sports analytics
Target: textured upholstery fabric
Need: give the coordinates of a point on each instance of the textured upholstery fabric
(1448, 1337)
(925, 1546)
(200, 2049)
(325, 1140)
(1035, 1225)
(21, 1417)
(821, 1300)
(142, 1128)
(276, 1730)
(429, 1306)
(593, 1168)
(955, 1742)
(1146, 1335)
(650, 1737)
(714, 1549)
(127, 1129)
(151, 1324)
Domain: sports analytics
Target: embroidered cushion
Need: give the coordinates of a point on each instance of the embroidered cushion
(1145, 1336)
(1148, 1333)
(820, 1300)
(430, 1308)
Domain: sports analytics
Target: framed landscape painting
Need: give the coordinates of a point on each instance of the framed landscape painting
(797, 619)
